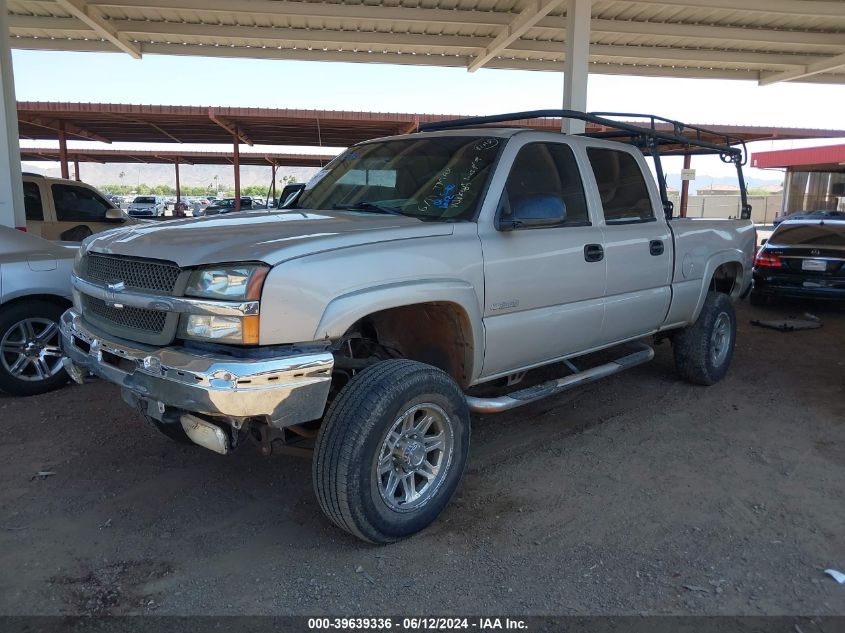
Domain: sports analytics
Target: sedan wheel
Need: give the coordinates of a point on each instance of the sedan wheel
(30, 352)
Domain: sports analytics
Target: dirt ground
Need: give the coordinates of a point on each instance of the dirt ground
(638, 494)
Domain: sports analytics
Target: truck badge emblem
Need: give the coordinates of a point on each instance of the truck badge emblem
(113, 290)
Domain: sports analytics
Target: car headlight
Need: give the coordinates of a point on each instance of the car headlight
(236, 283)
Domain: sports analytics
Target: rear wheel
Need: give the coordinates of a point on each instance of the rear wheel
(703, 351)
(30, 355)
(391, 450)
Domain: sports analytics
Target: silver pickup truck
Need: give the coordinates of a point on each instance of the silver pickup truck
(416, 279)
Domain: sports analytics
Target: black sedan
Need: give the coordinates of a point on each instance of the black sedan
(802, 259)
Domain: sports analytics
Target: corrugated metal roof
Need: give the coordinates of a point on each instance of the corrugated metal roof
(109, 122)
(827, 158)
(763, 40)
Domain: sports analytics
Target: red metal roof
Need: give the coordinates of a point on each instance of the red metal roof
(109, 122)
(826, 158)
(31, 154)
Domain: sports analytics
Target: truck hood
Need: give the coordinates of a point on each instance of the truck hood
(268, 237)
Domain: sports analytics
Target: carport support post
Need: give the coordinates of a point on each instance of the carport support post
(76, 169)
(685, 187)
(575, 66)
(236, 162)
(11, 181)
(178, 188)
(63, 151)
(273, 187)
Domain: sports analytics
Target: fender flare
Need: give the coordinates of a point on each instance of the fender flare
(730, 256)
(345, 310)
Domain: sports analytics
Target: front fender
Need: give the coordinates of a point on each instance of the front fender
(345, 310)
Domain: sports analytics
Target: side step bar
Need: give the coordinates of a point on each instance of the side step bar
(528, 395)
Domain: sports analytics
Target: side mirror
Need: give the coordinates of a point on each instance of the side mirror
(763, 241)
(533, 212)
(115, 215)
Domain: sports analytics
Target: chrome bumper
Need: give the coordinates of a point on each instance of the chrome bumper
(285, 390)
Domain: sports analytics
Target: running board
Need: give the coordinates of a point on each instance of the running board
(528, 395)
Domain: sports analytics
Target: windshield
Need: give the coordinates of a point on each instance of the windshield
(226, 202)
(821, 234)
(145, 200)
(440, 178)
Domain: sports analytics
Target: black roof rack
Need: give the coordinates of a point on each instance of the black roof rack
(645, 132)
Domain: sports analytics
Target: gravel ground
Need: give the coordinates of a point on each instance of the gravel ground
(638, 494)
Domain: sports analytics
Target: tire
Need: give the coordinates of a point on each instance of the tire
(703, 351)
(756, 298)
(357, 436)
(30, 353)
(171, 430)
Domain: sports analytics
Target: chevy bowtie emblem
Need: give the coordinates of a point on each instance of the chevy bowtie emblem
(113, 290)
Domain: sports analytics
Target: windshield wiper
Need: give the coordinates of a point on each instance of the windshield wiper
(369, 206)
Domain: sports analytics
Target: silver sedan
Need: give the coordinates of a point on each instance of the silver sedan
(34, 291)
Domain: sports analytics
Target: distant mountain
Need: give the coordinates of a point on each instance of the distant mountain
(189, 175)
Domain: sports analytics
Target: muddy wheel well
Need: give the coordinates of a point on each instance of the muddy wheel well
(725, 278)
(438, 334)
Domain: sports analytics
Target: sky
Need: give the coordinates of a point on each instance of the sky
(172, 80)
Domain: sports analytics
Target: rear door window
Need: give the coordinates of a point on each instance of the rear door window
(32, 201)
(78, 204)
(622, 187)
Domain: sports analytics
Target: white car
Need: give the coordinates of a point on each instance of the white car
(34, 291)
(147, 207)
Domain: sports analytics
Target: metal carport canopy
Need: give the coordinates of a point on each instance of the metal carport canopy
(761, 40)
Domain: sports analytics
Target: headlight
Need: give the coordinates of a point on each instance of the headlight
(241, 282)
(236, 283)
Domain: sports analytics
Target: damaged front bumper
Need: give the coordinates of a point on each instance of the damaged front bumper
(280, 390)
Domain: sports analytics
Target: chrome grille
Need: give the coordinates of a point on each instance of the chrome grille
(127, 317)
(137, 274)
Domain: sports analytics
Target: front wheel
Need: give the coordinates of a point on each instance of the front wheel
(703, 350)
(30, 356)
(391, 450)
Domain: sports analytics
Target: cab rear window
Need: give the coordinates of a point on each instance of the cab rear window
(822, 234)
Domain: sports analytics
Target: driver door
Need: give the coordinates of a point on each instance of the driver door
(544, 287)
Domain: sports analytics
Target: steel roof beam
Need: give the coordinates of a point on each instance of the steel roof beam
(91, 16)
(56, 125)
(230, 127)
(142, 28)
(455, 42)
(535, 11)
(814, 8)
(825, 65)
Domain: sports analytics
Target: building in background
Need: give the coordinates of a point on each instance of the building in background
(814, 180)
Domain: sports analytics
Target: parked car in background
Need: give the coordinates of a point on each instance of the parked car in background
(34, 291)
(58, 209)
(147, 207)
(227, 205)
(802, 259)
(809, 215)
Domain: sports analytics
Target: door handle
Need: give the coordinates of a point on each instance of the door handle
(593, 253)
(655, 247)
